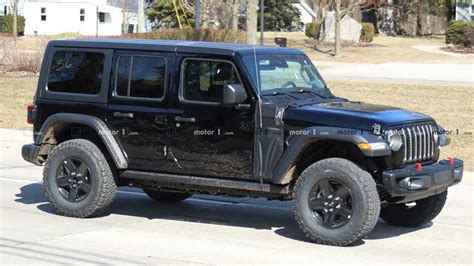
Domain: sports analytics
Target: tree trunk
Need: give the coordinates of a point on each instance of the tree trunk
(141, 16)
(252, 21)
(123, 5)
(337, 28)
(316, 9)
(235, 14)
(15, 18)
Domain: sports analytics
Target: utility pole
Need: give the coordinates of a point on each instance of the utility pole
(262, 20)
(252, 21)
(141, 16)
(197, 14)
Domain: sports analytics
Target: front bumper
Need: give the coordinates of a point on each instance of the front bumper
(410, 183)
(30, 152)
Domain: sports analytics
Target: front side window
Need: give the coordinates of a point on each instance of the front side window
(141, 76)
(76, 72)
(204, 81)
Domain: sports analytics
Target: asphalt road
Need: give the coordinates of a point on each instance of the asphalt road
(201, 230)
(400, 72)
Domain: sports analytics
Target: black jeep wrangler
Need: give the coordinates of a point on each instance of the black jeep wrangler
(176, 118)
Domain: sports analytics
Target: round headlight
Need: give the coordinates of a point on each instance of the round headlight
(394, 140)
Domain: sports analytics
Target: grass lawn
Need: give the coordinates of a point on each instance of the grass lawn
(382, 49)
(451, 106)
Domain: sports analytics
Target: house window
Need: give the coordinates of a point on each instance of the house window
(82, 14)
(101, 17)
(43, 14)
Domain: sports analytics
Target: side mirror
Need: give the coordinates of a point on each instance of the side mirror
(234, 94)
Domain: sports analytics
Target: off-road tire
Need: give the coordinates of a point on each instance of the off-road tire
(103, 187)
(167, 196)
(423, 212)
(365, 202)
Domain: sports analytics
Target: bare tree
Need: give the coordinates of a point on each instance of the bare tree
(235, 14)
(14, 6)
(252, 21)
(340, 11)
(125, 6)
(337, 29)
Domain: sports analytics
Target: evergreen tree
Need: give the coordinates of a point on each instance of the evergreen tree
(281, 15)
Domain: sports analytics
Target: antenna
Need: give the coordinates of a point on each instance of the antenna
(259, 90)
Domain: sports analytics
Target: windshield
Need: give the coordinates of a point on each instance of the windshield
(285, 74)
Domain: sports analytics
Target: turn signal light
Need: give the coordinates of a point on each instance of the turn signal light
(30, 113)
(451, 161)
(364, 146)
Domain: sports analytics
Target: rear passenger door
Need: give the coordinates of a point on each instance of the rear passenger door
(138, 109)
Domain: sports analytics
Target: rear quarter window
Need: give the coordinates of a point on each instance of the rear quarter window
(76, 72)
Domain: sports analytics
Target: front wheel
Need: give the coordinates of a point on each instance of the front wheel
(415, 213)
(335, 202)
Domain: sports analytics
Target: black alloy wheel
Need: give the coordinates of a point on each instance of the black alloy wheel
(73, 179)
(331, 203)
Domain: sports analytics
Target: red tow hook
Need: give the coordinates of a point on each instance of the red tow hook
(451, 160)
(419, 167)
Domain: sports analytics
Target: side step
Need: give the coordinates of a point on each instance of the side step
(204, 184)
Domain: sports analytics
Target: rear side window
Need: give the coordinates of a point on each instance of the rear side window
(141, 76)
(76, 72)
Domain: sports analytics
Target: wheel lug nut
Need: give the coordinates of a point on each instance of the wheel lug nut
(325, 204)
(331, 210)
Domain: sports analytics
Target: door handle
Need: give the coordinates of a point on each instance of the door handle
(120, 114)
(185, 119)
(161, 119)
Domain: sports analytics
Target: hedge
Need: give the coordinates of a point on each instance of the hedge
(312, 29)
(460, 33)
(209, 35)
(367, 33)
(7, 24)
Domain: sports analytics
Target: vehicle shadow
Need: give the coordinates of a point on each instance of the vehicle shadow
(241, 212)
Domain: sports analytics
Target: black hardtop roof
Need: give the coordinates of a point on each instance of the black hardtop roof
(174, 46)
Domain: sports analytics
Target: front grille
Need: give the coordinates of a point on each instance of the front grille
(418, 142)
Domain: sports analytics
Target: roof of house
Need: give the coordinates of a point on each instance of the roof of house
(174, 46)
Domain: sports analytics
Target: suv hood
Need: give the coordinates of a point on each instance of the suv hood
(346, 114)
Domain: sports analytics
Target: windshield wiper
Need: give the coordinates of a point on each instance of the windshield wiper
(302, 90)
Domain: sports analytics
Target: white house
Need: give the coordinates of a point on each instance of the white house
(465, 10)
(87, 17)
(307, 14)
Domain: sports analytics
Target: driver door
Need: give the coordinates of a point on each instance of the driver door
(211, 138)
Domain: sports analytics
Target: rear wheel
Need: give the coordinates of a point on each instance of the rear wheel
(335, 202)
(167, 196)
(415, 213)
(78, 180)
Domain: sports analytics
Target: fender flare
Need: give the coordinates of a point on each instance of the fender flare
(97, 124)
(296, 143)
